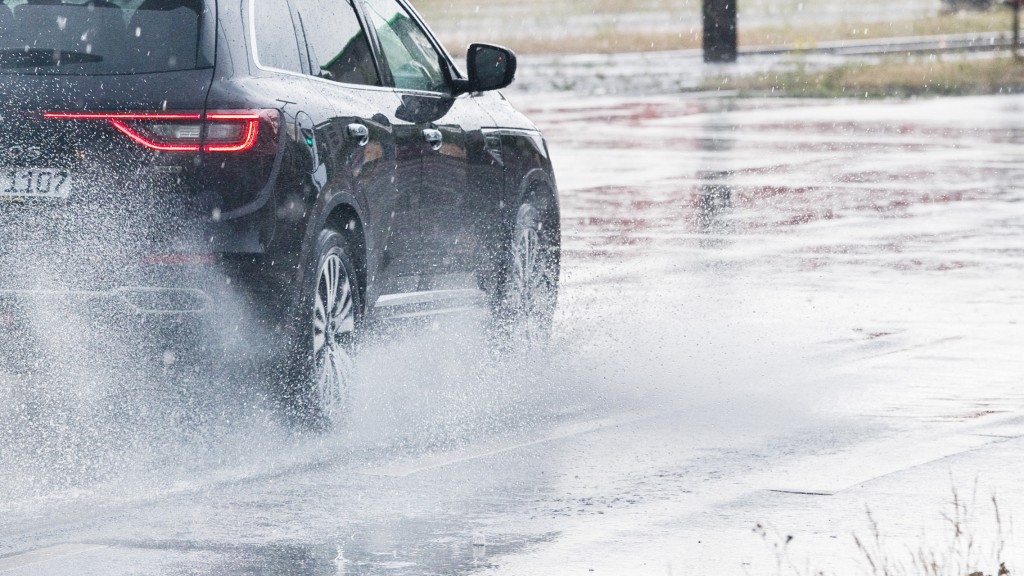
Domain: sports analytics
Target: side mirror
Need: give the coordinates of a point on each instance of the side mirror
(490, 67)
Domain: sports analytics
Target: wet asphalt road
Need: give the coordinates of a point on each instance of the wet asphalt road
(775, 312)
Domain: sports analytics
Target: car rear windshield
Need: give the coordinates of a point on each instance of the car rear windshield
(101, 36)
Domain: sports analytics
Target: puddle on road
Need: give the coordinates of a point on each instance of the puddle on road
(751, 265)
(359, 554)
(906, 216)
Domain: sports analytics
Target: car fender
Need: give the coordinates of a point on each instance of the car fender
(329, 201)
(537, 177)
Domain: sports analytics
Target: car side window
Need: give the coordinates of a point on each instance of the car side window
(413, 61)
(276, 45)
(337, 43)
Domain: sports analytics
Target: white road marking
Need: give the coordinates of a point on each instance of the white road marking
(46, 555)
(432, 461)
(829, 474)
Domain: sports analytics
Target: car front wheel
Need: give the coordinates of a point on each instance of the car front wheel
(528, 295)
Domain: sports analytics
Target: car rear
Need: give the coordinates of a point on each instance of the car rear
(112, 182)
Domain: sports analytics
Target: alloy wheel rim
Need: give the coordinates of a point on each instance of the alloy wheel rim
(528, 296)
(333, 335)
(524, 258)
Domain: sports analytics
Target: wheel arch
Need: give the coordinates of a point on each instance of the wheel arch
(538, 181)
(345, 219)
(538, 187)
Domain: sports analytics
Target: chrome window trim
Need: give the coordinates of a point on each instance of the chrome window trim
(433, 42)
(256, 60)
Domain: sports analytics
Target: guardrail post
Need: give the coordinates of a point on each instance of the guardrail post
(720, 30)
(1015, 5)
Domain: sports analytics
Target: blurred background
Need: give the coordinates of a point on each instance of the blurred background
(793, 47)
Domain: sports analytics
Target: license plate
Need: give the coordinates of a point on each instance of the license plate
(35, 183)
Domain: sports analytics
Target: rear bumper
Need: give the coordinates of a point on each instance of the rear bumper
(41, 327)
(178, 310)
(130, 319)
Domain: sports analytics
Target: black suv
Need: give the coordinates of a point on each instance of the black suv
(288, 170)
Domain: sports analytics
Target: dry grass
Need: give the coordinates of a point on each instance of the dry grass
(609, 40)
(597, 26)
(900, 78)
(807, 37)
(965, 553)
(610, 26)
(599, 42)
(973, 544)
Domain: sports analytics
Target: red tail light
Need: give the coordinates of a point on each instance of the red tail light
(232, 132)
(216, 132)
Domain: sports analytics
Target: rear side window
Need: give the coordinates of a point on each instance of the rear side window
(338, 46)
(100, 36)
(276, 45)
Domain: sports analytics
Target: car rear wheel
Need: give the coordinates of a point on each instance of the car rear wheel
(327, 326)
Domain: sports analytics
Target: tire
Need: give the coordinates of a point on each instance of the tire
(528, 287)
(326, 324)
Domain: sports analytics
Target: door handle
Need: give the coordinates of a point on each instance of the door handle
(434, 138)
(359, 133)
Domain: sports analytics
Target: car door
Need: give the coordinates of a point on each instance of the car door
(444, 127)
(365, 152)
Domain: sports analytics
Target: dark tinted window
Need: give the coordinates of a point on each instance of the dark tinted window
(338, 46)
(411, 58)
(276, 46)
(100, 36)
